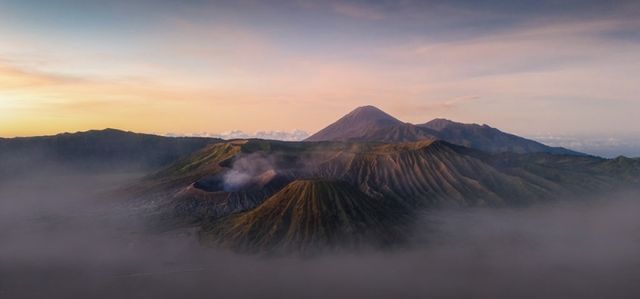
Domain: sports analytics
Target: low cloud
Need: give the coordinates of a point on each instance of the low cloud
(59, 239)
(604, 146)
(295, 135)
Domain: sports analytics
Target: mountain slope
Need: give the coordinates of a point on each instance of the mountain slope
(414, 174)
(622, 166)
(370, 124)
(396, 133)
(429, 174)
(310, 214)
(488, 139)
(107, 149)
(291, 201)
(359, 122)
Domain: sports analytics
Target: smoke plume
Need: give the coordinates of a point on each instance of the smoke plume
(246, 170)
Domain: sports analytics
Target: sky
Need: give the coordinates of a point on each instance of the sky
(534, 68)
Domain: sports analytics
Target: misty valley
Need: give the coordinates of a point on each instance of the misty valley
(368, 207)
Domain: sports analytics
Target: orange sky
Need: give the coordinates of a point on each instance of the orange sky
(185, 71)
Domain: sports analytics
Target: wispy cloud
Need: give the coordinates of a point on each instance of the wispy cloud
(252, 66)
(12, 77)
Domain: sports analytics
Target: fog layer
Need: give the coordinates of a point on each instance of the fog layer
(59, 238)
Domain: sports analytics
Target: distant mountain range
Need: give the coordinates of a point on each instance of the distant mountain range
(371, 124)
(361, 180)
(96, 150)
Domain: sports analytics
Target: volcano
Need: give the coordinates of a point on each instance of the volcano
(328, 194)
(363, 179)
(312, 213)
(370, 124)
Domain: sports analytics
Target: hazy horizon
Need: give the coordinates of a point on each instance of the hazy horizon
(531, 68)
(319, 148)
(606, 145)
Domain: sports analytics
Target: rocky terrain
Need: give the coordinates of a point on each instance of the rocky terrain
(359, 182)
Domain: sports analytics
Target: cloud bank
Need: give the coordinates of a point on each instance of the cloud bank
(295, 135)
(604, 146)
(60, 239)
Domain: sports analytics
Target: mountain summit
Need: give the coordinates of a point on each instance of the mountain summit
(370, 124)
(371, 114)
(439, 124)
(356, 124)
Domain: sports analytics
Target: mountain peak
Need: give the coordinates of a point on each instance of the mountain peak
(371, 113)
(367, 107)
(439, 124)
(356, 123)
(370, 124)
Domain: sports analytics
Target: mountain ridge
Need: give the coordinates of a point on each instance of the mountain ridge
(95, 150)
(487, 138)
(482, 137)
(431, 171)
(405, 177)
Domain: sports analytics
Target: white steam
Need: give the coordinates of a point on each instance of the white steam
(247, 170)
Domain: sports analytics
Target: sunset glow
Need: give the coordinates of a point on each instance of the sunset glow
(174, 67)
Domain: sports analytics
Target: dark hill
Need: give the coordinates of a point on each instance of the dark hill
(488, 139)
(95, 150)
